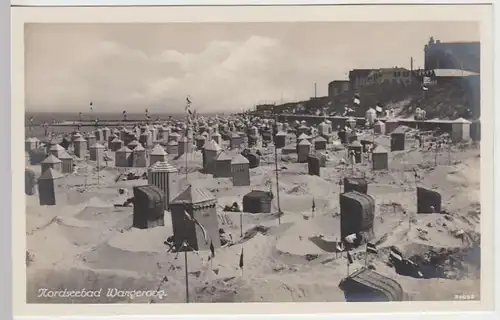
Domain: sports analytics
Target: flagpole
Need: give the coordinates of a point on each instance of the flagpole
(241, 224)
(277, 181)
(98, 175)
(186, 274)
(348, 265)
(366, 255)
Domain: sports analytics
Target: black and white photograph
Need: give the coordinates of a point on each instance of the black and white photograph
(247, 162)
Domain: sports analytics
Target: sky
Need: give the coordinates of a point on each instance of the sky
(223, 67)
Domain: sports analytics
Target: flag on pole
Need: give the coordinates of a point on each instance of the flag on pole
(396, 254)
(91, 104)
(379, 108)
(349, 258)
(371, 248)
(191, 218)
(212, 249)
(427, 80)
(425, 88)
(241, 259)
(313, 205)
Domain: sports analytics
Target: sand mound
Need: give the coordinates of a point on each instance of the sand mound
(142, 240)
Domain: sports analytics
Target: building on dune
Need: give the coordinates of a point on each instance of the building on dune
(313, 165)
(252, 157)
(149, 206)
(398, 138)
(380, 158)
(428, 201)
(51, 162)
(66, 162)
(164, 176)
(173, 147)
(116, 144)
(304, 148)
(257, 201)
(194, 218)
(51, 188)
(123, 158)
(80, 147)
(355, 184)
(56, 150)
(209, 154)
(97, 152)
(36, 156)
(357, 212)
(223, 166)
(460, 129)
(240, 169)
(319, 143)
(365, 285)
(158, 154)
(29, 182)
(139, 157)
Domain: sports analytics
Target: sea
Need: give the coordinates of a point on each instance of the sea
(39, 118)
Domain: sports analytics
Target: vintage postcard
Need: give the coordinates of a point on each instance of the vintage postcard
(190, 159)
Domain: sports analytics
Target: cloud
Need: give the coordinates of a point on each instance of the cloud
(224, 76)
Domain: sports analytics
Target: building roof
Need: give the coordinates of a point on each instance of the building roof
(291, 146)
(138, 148)
(304, 142)
(90, 135)
(401, 130)
(356, 143)
(124, 149)
(163, 166)
(56, 147)
(134, 143)
(359, 72)
(453, 73)
(392, 120)
(379, 149)
(235, 135)
(319, 139)
(51, 159)
(116, 140)
(200, 137)
(303, 136)
(282, 133)
(97, 145)
(259, 194)
(193, 195)
(50, 174)
(223, 157)
(63, 155)
(211, 145)
(239, 159)
(158, 151)
(172, 143)
(462, 120)
(379, 123)
(80, 139)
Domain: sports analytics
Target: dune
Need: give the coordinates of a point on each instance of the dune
(87, 242)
